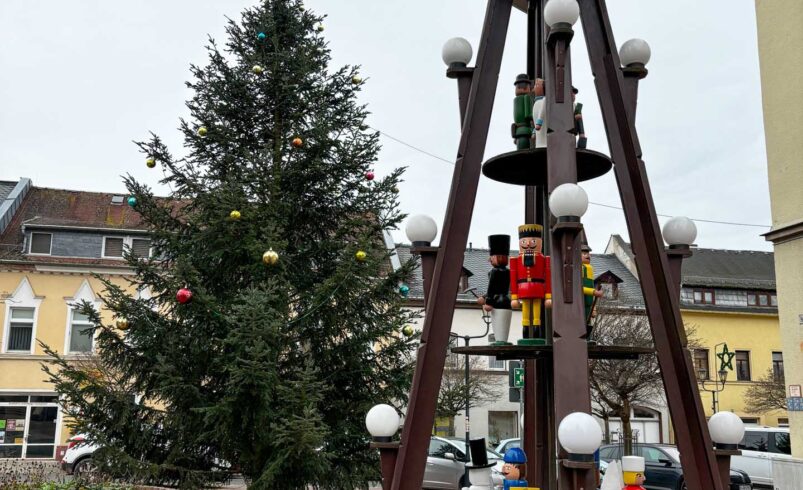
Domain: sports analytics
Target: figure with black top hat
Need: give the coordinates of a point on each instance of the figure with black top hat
(479, 469)
(522, 127)
(514, 469)
(530, 283)
(496, 300)
(579, 127)
(590, 293)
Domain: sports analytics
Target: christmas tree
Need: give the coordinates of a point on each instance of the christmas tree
(269, 317)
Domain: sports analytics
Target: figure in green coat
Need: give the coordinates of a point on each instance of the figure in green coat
(522, 128)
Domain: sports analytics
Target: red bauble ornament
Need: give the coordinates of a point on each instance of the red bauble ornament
(184, 296)
(369, 175)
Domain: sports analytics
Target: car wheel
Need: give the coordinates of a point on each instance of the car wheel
(85, 470)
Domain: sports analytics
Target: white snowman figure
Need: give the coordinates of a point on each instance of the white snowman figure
(479, 470)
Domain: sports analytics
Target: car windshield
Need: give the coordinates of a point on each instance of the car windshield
(461, 444)
(672, 452)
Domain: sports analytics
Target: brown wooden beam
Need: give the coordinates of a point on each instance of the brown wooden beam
(412, 457)
(660, 294)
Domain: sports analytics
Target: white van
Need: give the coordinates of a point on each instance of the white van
(760, 447)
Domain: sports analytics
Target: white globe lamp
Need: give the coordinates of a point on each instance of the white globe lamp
(559, 12)
(634, 51)
(679, 231)
(580, 435)
(382, 422)
(456, 52)
(421, 230)
(727, 430)
(568, 202)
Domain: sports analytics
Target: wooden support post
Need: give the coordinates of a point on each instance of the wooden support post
(660, 294)
(409, 472)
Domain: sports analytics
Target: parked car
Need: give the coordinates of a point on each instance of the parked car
(663, 469)
(77, 459)
(761, 446)
(446, 462)
(506, 444)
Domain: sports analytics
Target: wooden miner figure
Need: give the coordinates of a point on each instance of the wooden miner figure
(515, 469)
(579, 127)
(590, 293)
(496, 300)
(633, 472)
(530, 283)
(539, 115)
(522, 127)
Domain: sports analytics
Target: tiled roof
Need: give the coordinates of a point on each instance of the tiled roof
(476, 261)
(58, 207)
(720, 268)
(5, 188)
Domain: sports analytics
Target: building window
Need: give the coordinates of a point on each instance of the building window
(761, 298)
(701, 364)
(20, 330)
(777, 366)
(783, 422)
(81, 332)
(40, 243)
(742, 365)
(453, 360)
(494, 363)
(610, 290)
(704, 297)
(113, 247)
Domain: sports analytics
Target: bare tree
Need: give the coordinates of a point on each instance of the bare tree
(766, 394)
(617, 385)
(483, 386)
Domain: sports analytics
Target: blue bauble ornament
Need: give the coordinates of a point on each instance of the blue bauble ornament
(404, 290)
(132, 201)
(261, 36)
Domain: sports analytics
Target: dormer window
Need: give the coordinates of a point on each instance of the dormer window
(117, 199)
(41, 243)
(113, 247)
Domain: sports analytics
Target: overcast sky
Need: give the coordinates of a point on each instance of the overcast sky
(81, 79)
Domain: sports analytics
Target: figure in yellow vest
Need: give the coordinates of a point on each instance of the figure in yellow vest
(590, 293)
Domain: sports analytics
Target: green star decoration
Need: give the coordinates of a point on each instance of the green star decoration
(726, 363)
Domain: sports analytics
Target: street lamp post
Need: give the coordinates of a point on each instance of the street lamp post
(382, 422)
(467, 339)
(580, 436)
(679, 234)
(727, 430)
(457, 54)
(421, 230)
(634, 56)
(719, 381)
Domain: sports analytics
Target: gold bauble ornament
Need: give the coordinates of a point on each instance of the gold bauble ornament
(150, 162)
(356, 79)
(122, 324)
(257, 70)
(297, 142)
(320, 27)
(235, 215)
(202, 131)
(270, 257)
(408, 331)
(361, 256)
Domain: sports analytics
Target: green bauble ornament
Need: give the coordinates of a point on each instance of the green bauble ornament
(202, 131)
(261, 36)
(132, 201)
(408, 331)
(150, 162)
(404, 290)
(320, 28)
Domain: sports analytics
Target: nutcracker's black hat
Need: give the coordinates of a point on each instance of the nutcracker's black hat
(531, 231)
(584, 242)
(499, 244)
(574, 89)
(479, 454)
(523, 78)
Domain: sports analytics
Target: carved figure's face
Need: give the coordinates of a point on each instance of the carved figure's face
(586, 257)
(538, 88)
(498, 260)
(511, 471)
(529, 245)
(523, 88)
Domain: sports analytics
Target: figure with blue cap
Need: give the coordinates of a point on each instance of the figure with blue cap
(515, 469)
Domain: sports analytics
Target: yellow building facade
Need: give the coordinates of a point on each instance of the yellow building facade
(756, 334)
(53, 243)
(780, 46)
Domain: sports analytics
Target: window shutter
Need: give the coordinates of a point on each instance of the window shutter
(141, 247)
(114, 247)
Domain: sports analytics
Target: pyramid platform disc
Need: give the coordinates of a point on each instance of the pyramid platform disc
(528, 167)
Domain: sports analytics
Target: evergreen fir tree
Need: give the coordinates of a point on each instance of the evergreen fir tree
(270, 368)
